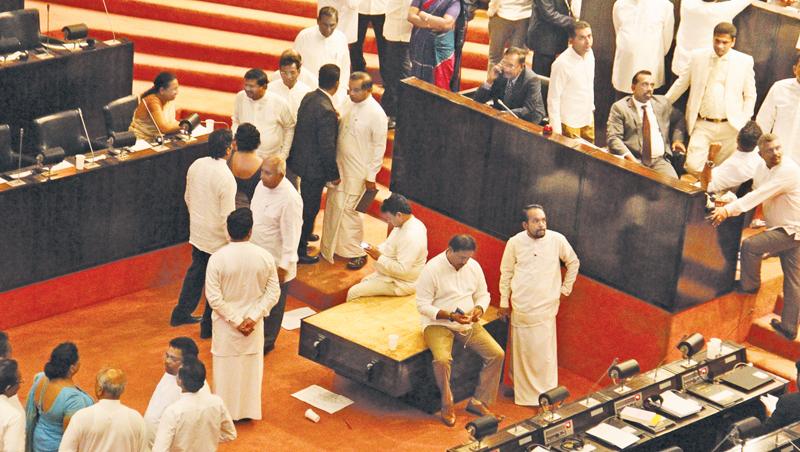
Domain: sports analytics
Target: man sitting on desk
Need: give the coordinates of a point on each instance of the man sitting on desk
(641, 127)
(452, 296)
(518, 90)
(739, 168)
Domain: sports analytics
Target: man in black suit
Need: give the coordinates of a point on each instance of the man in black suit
(516, 86)
(787, 411)
(548, 32)
(313, 153)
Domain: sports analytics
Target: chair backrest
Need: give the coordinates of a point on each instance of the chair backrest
(62, 129)
(119, 113)
(6, 159)
(22, 24)
(11, 5)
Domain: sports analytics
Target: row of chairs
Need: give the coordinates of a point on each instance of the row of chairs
(65, 130)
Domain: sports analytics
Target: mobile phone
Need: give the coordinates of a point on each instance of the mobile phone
(459, 311)
(365, 245)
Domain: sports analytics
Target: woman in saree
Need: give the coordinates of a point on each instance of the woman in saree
(436, 41)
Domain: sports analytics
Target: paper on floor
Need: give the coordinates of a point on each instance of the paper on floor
(322, 399)
(291, 319)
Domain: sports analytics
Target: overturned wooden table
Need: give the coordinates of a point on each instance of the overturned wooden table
(353, 340)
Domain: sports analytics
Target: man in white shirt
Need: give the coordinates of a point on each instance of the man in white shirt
(777, 188)
(530, 277)
(508, 26)
(198, 421)
(12, 416)
(398, 260)
(347, 11)
(570, 97)
(780, 112)
(739, 168)
(277, 222)
(360, 148)
(108, 425)
(292, 81)
(241, 287)
(167, 390)
(5, 353)
(721, 99)
(698, 19)
(324, 44)
(644, 30)
(397, 31)
(451, 298)
(269, 112)
(210, 196)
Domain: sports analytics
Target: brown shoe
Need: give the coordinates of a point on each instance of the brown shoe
(448, 415)
(478, 408)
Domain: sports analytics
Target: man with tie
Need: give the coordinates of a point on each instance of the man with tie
(721, 99)
(548, 32)
(514, 87)
(644, 128)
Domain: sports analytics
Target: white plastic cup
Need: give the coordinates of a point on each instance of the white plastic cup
(80, 160)
(714, 347)
(210, 125)
(312, 416)
(393, 340)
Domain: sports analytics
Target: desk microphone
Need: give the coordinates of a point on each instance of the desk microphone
(499, 101)
(160, 139)
(110, 24)
(21, 135)
(86, 131)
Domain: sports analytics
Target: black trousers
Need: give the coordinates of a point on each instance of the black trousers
(311, 192)
(272, 323)
(193, 284)
(357, 61)
(398, 67)
(542, 63)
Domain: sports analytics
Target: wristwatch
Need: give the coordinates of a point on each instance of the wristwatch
(710, 163)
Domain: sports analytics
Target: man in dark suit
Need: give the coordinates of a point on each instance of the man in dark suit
(548, 32)
(313, 153)
(644, 128)
(516, 86)
(787, 411)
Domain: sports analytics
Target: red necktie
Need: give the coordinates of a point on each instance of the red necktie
(647, 152)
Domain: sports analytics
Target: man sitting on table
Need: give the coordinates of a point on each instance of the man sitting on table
(398, 260)
(518, 90)
(452, 296)
(776, 185)
(739, 168)
(641, 127)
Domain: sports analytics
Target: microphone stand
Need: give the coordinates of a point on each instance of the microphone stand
(502, 104)
(585, 400)
(93, 164)
(161, 139)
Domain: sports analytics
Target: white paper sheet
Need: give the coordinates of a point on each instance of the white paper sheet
(322, 399)
(769, 401)
(200, 130)
(291, 319)
(61, 166)
(96, 158)
(2, 181)
(613, 435)
(20, 175)
(140, 146)
(678, 406)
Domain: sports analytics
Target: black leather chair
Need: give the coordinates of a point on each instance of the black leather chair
(23, 25)
(119, 113)
(7, 161)
(63, 130)
(11, 5)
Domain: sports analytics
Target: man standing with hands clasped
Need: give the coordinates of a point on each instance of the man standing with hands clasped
(530, 277)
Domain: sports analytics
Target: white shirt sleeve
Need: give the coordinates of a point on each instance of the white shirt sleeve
(426, 291)
(237, 104)
(377, 144)
(407, 254)
(558, 82)
(291, 225)
(668, 32)
(774, 186)
(287, 122)
(768, 112)
(507, 265)
(71, 440)
(481, 296)
(272, 292)
(215, 299)
(681, 84)
(13, 439)
(570, 259)
(166, 432)
(227, 431)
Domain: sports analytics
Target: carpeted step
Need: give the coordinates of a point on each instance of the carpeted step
(771, 362)
(763, 336)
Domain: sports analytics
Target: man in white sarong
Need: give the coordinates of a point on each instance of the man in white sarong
(400, 259)
(241, 287)
(359, 155)
(324, 44)
(530, 277)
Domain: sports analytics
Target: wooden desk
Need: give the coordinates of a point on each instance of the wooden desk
(86, 79)
(80, 219)
(353, 339)
(632, 228)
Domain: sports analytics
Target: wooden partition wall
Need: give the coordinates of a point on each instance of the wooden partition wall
(768, 33)
(632, 228)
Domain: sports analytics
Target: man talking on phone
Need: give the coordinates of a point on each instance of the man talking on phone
(513, 87)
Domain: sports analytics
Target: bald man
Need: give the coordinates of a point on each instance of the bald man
(359, 155)
(108, 425)
(277, 223)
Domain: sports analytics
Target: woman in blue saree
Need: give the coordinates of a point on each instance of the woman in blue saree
(437, 38)
(53, 400)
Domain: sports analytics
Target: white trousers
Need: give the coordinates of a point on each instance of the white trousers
(534, 356)
(237, 380)
(342, 227)
(376, 285)
(703, 135)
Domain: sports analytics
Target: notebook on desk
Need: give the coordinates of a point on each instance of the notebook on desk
(715, 393)
(746, 378)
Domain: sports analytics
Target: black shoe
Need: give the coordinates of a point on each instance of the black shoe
(268, 348)
(205, 331)
(191, 320)
(776, 325)
(357, 263)
(313, 238)
(306, 259)
(737, 286)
